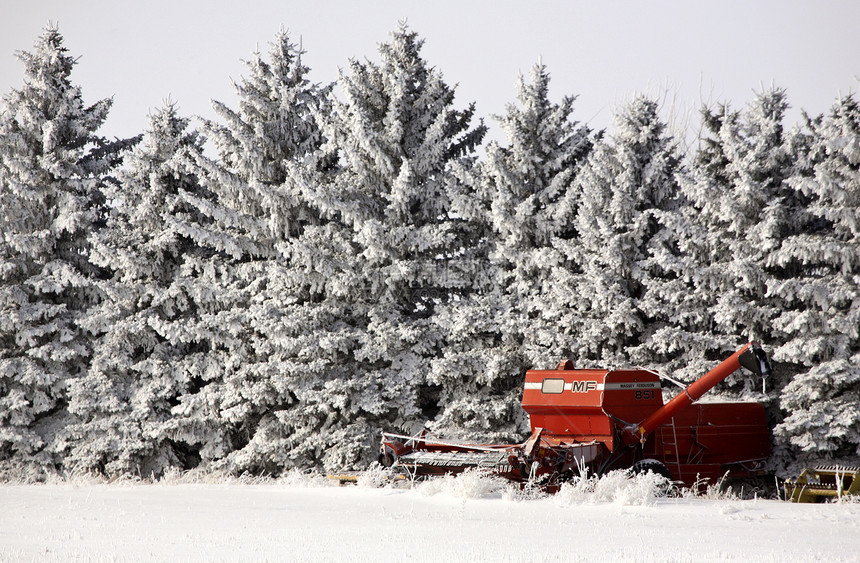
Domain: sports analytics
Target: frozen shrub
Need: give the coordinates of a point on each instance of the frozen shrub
(304, 479)
(616, 487)
(374, 477)
(471, 484)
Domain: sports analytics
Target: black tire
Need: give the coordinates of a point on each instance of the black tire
(656, 467)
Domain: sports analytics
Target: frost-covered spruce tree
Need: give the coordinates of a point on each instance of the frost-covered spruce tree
(144, 358)
(522, 196)
(624, 185)
(820, 317)
(740, 209)
(274, 330)
(51, 167)
(397, 135)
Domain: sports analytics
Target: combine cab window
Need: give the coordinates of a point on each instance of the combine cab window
(552, 386)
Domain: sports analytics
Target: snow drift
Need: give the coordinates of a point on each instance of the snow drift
(465, 518)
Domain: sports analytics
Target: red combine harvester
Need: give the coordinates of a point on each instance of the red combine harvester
(598, 420)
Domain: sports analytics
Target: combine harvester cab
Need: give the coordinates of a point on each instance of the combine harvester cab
(590, 421)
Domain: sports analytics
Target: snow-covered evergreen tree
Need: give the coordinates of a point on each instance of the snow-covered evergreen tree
(522, 198)
(51, 167)
(625, 184)
(144, 358)
(740, 209)
(273, 330)
(397, 134)
(820, 315)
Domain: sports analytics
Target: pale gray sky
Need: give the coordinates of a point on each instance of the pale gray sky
(600, 50)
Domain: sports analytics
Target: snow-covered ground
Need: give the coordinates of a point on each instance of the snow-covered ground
(465, 519)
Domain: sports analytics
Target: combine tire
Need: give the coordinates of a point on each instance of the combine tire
(645, 465)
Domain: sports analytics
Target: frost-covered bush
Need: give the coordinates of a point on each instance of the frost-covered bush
(304, 479)
(616, 487)
(470, 484)
(374, 476)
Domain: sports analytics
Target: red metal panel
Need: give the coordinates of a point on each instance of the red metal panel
(708, 439)
(580, 404)
(567, 403)
(631, 395)
(580, 389)
(732, 432)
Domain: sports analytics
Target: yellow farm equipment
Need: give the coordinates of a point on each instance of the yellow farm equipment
(823, 483)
